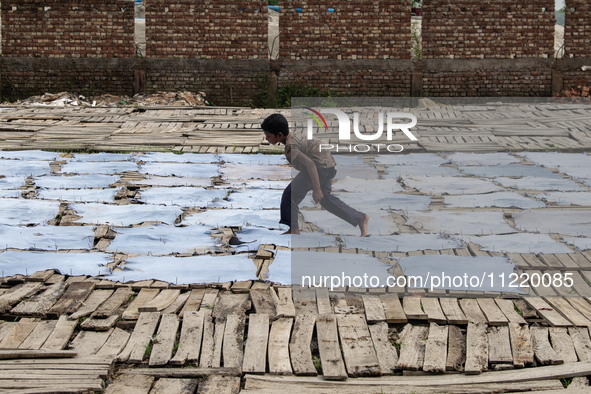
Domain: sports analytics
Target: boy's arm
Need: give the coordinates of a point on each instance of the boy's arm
(317, 194)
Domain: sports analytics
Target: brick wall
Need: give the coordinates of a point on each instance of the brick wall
(353, 78)
(25, 77)
(361, 29)
(73, 28)
(482, 77)
(489, 29)
(212, 29)
(226, 82)
(577, 32)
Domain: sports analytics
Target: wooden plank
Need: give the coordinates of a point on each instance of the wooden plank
(229, 303)
(508, 309)
(100, 324)
(131, 384)
(234, 341)
(359, 354)
(412, 348)
(255, 352)
(521, 345)
(115, 344)
(194, 301)
(207, 346)
(40, 276)
(348, 305)
(182, 372)
(176, 306)
(161, 301)
(323, 301)
(472, 311)
(12, 355)
(176, 386)
(285, 306)
(263, 302)
(581, 305)
(190, 340)
(393, 309)
(299, 346)
(73, 298)
(548, 313)
(543, 351)
(540, 290)
(385, 351)
(39, 335)
(5, 328)
(581, 260)
(374, 311)
(112, 304)
(412, 308)
(433, 310)
(164, 340)
(563, 344)
(94, 300)
(17, 293)
(526, 310)
(40, 304)
(333, 367)
(88, 343)
(562, 306)
(140, 338)
(581, 342)
(551, 261)
(144, 297)
(452, 311)
(436, 349)
(499, 345)
(60, 336)
(241, 286)
(278, 352)
(456, 350)
(476, 348)
(216, 384)
(494, 315)
(256, 384)
(18, 334)
(218, 341)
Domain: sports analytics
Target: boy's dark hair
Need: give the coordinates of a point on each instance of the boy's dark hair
(276, 124)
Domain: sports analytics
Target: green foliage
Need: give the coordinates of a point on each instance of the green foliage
(566, 381)
(148, 351)
(273, 2)
(317, 364)
(417, 3)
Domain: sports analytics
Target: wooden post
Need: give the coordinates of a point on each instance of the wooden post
(272, 89)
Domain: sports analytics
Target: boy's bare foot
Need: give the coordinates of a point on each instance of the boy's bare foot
(364, 225)
(291, 231)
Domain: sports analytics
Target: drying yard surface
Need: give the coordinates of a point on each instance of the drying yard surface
(120, 266)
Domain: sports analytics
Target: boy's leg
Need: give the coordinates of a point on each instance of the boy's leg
(292, 196)
(337, 207)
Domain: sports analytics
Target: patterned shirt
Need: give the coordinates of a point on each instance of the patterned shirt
(299, 144)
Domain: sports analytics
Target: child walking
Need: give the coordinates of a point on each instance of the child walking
(316, 170)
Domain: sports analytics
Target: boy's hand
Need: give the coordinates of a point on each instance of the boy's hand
(317, 196)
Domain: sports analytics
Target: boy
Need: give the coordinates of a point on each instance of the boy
(316, 170)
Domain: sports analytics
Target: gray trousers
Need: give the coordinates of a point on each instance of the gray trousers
(298, 188)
